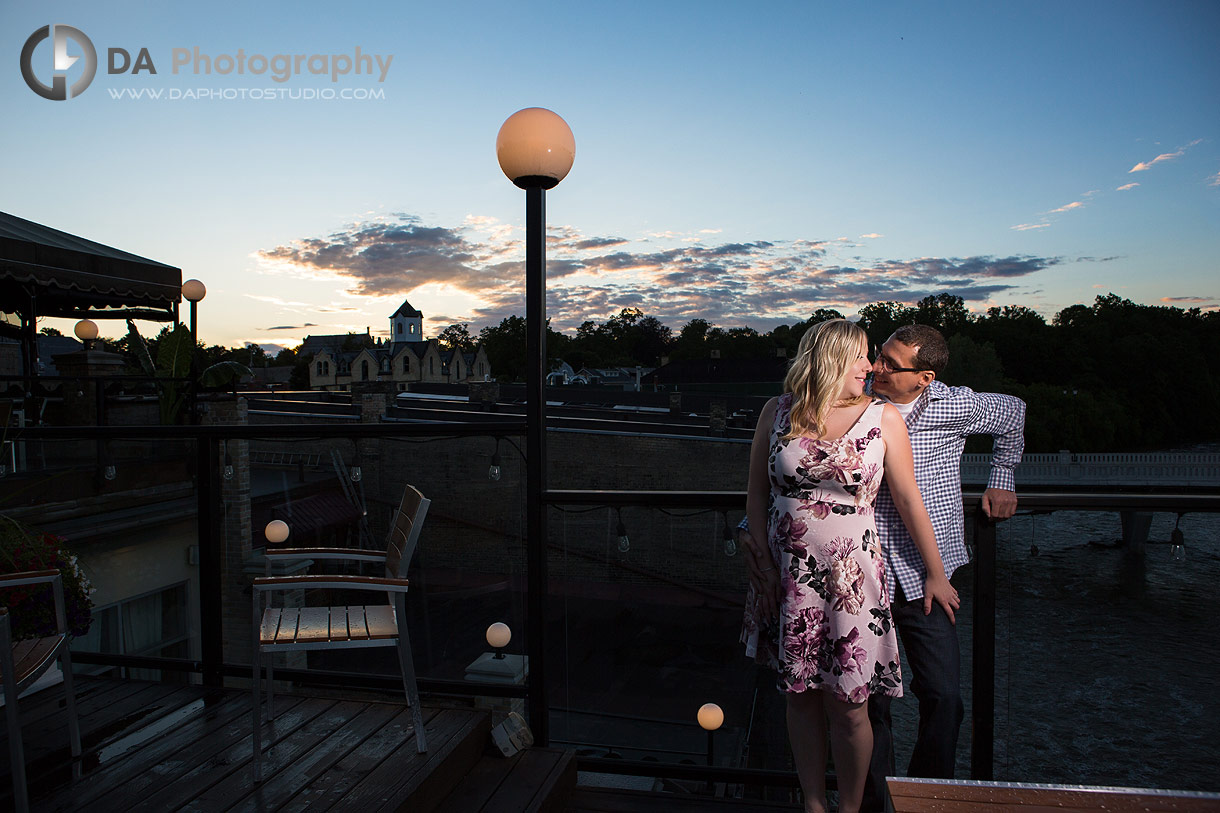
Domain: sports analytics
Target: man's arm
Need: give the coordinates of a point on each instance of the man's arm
(1002, 417)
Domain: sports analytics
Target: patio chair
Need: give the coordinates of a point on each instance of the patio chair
(279, 629)
(23, 662)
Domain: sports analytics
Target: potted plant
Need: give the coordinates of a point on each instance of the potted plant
(32, 609)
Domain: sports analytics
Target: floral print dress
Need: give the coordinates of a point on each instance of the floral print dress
(834, 631)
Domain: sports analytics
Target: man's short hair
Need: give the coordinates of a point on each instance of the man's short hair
(931, 349)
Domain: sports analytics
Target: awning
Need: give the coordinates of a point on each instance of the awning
(72, 277)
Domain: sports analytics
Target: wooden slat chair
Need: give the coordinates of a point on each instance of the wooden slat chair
(309, 628)
(23, 662)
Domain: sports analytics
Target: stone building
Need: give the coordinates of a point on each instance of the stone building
(404, 358)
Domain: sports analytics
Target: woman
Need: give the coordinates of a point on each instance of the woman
(819, 454)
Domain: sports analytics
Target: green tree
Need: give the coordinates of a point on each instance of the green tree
(457, 337)
(880, 319)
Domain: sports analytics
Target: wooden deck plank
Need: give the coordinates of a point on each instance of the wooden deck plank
(456, 738)
(229, 754)
(533, 780)
(608, 800)
(236, 790)
(50, 701)
(280, 787)
(479, 785)
(914, 796)
(46, 742)
(333, 784)
(212, 712)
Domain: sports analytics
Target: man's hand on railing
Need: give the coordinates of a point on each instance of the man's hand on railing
(763, 572)
(999, 503)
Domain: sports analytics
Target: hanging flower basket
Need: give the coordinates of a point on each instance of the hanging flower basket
(32, 608)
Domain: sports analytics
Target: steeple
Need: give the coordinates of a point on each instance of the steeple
(406, 324)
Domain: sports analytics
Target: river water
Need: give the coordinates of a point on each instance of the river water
(1103, 678)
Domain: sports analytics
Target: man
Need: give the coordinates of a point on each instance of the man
(939, 419)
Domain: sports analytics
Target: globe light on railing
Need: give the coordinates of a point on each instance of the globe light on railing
(276, 531)
(86, 331)
(498, 636)
(535, 148)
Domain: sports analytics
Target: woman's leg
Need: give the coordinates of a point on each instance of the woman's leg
(851, 739)
(807, 733)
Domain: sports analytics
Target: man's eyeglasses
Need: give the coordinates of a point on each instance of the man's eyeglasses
(888, 366)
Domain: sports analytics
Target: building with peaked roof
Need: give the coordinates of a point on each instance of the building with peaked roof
(404, 358)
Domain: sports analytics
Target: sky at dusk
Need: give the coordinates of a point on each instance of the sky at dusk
(740, 163)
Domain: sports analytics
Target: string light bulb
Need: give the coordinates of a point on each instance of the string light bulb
(493, 471)
(624, 542)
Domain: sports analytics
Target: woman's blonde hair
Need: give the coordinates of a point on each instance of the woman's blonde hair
(819, 372)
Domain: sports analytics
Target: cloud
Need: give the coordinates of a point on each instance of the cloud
(1030, 226)
(1067, 207)
(1214, 180)
(1194, 300)
(290, 327)
(592, 277)
(1126, 186)
(1143, 166)
(871, 236)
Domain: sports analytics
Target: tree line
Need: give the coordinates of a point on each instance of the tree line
(1111, 376)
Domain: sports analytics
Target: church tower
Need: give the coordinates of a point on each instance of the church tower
(406, 324)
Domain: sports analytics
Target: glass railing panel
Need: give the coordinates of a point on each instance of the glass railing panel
(469, 567)
(646, 609)
(119, 516)
(1104, 660)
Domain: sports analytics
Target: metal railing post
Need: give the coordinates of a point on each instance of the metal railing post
(982, 706)
(211, 632)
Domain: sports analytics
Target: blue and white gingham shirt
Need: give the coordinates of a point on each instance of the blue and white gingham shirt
(940, 422)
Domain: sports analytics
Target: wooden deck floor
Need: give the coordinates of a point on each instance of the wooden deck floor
(161, 747)
(157, 747)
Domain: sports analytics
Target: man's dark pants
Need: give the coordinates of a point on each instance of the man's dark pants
(933, 660)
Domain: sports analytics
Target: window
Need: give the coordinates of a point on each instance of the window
(319, 368)
(406, 365)
(398, 328)
(431, 366)
(411, 329)
(153, 624)
(364, 371)
(326, 368)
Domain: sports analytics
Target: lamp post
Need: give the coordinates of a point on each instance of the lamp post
(710, 717)
(535, 148)
(193, 291)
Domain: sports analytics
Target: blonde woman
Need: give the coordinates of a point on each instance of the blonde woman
(819, 454)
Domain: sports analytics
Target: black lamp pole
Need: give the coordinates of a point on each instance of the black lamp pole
(535, 454)
(535, 149)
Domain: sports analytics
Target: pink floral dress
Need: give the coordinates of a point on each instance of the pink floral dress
(834, 631)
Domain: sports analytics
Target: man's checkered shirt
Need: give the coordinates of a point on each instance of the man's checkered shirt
(939, 424)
